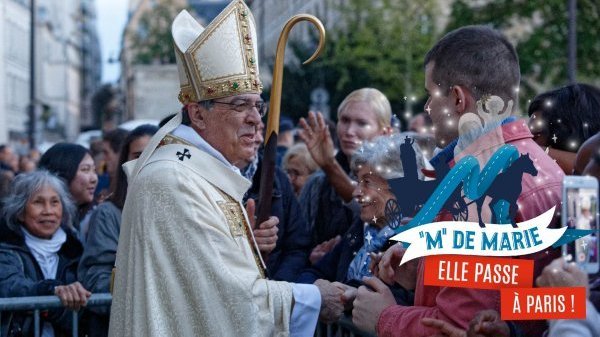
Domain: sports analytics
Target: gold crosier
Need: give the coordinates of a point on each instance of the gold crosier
(272, 130)
(275, 103)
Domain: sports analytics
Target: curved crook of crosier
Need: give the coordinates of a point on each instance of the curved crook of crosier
(275, 101)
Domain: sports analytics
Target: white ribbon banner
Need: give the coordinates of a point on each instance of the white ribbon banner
(467, 238)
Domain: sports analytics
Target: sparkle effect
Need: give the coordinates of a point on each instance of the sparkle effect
(369, 237)
(573, 144)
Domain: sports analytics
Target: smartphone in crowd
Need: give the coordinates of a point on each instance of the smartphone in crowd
(580, 211)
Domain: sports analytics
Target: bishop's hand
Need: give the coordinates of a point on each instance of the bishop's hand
(266, 233)
(332, 307)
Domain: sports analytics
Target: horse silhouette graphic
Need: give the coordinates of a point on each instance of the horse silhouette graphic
(505, 190)
(411, 192)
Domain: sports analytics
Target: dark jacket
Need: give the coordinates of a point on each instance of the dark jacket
(99, 254)
(290, 255)
(334, 265)
(327, 214)
(20, 275)
(98, 260)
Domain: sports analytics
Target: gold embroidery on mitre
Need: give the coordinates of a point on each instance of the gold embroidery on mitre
(229, 84)
(186, 90)
(187, 95)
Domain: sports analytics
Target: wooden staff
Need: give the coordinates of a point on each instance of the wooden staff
(270, 151)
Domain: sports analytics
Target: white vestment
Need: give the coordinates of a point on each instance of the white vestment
(185, 264)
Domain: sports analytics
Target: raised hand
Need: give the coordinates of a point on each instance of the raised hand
(315, 134)
(323, 248)
(390, 271)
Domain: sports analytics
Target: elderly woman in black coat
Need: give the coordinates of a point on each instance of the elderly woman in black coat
(39, 253)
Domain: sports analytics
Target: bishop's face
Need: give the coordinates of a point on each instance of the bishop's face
(228, 130)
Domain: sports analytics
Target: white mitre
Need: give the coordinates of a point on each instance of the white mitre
(219, 60)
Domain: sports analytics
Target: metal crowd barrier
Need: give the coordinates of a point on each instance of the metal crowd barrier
(39, 303)
(342, 328)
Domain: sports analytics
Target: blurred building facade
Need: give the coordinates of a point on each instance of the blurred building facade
(67, 67)
(148, 89)
(271, 16)
(151, 87)
(14, 68)
(91, 59)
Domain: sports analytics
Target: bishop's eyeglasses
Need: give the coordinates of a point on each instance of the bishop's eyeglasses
(243, 106)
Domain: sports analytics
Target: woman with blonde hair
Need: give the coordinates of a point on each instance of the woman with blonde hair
(327, 196)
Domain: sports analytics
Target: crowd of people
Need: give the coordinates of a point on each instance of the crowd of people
(71, 216)
(59, 233)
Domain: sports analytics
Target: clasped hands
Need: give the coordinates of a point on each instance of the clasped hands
(336, 298)
(368, 301)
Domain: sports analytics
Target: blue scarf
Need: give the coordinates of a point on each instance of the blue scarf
(374, 239)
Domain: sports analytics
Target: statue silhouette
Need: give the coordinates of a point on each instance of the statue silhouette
(409, 159)
(410, 191)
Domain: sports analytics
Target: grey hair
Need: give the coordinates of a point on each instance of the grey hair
(301, 151)
(24, 186)
(208, 104)
(185, 120)
(383, 155)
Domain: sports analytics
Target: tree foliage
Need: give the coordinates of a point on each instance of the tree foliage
(152, 42)
(539, 30)
(373, 44)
